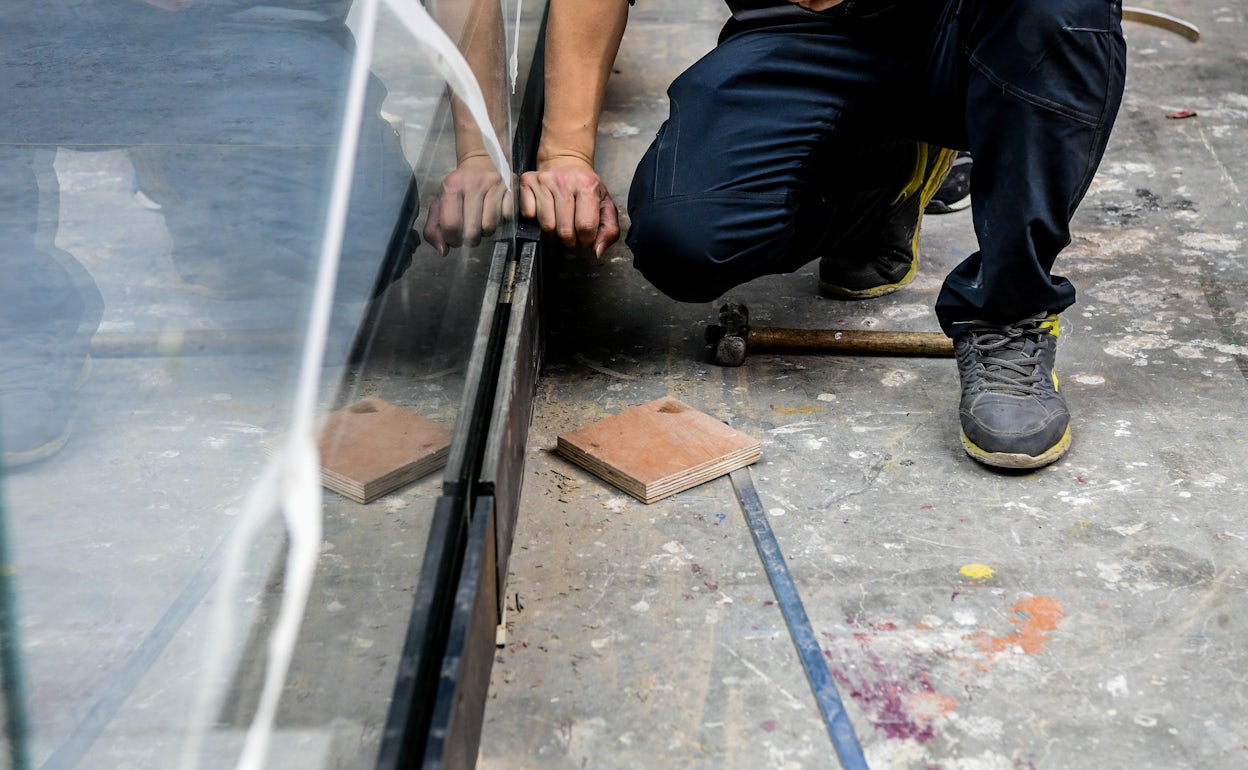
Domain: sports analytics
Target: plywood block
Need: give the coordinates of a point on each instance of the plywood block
(658, 449)
(372, 447)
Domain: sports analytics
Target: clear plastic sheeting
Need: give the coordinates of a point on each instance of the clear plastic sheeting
(167, 171)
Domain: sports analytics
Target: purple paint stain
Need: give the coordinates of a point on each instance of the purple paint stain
(883, 699)
(769, 726)
(882, 694)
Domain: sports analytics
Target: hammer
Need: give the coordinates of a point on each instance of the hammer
(732, 336)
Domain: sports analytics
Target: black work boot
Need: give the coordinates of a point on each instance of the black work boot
(882, 254)
(1011, 412)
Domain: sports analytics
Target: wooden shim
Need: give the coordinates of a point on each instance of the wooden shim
(657, 449)
(372, 447)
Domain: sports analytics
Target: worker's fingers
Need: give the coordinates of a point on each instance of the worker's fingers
(468, 206)
(565, 218)
(608, 225)
(474, 214)
(566, 200)
(495, 208)
(451, 219)
(542, 201)
(585, 216)
(433, 228)
(528, 201)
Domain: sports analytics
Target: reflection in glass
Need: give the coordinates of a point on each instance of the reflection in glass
(166, 169)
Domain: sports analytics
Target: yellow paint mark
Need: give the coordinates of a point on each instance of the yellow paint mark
(794, 410)
(977, 571)
(1035, 617)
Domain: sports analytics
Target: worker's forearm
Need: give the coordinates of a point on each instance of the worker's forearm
(582, 38)
(477, 29)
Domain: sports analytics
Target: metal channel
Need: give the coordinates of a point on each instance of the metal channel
(502, 467)
(407, 726)
(443, 680)
(455, 730)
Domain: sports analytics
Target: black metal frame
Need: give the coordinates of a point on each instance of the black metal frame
(443, 677)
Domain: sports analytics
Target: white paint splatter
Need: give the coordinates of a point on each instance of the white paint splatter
(907, 312)
(1210, 242)
(897, 378)
(1133, 346)
(1110, 573)
(1212, 480)
(794, 427)
(983, 727)
(393, 503)
(1117, 687)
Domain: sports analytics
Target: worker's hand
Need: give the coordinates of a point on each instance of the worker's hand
(817, 5)
(567, 197)
(471, 204)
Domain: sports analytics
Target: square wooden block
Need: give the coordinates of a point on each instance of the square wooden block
(372, 447)
(658, 449)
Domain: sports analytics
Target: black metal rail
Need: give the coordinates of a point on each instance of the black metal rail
(443, 677)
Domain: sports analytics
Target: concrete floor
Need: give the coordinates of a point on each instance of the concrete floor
(1111, 633)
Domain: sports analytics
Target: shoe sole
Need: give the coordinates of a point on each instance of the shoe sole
(840, 292)
(941, 207)
(1017, 460)
(45, 450)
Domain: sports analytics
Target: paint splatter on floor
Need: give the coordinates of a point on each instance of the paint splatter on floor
(1035, 617)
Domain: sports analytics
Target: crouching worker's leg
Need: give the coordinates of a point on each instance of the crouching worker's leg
(772, 157)
(1045, 85)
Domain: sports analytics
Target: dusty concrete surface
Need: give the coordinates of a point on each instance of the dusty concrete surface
(1111, 631)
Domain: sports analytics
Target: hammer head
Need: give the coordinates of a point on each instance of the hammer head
(728, 338)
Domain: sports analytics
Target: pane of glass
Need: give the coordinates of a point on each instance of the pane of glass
(166, 171)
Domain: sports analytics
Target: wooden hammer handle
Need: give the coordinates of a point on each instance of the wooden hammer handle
(886, 343)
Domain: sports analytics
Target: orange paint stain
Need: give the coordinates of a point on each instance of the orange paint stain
(1036, 617)
(926, 706)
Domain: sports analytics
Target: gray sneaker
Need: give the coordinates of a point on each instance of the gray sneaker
(1011, 412)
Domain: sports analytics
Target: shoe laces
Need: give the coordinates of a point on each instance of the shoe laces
(1008, 355)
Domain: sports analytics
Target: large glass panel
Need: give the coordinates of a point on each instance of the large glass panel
(167, 195)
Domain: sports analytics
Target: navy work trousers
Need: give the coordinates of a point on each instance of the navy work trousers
(782, 118)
